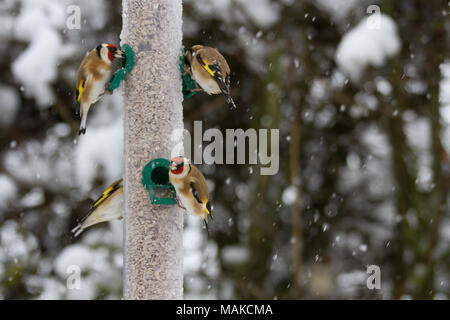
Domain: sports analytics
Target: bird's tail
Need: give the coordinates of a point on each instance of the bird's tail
(83, 113)
(77, 230)
(89, 220)
(206, 227)
(226, 93)
(230, 101)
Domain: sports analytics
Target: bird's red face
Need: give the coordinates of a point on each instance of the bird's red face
(113, 52)
(177, 165)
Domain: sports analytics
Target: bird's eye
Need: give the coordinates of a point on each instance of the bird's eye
(112, 49)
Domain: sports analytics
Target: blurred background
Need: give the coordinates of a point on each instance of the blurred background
(361, 94)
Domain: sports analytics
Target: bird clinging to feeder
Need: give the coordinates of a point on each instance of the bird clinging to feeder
(109, 206)
(191, 188)
(93, 78)
(210, 70)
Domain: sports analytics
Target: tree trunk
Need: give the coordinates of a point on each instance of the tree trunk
(153, 265)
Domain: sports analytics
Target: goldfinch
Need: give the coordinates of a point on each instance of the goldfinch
(109, 206)
(93, 77)
(210, 70)
(191, 188)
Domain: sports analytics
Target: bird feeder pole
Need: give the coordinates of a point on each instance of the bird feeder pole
(153, 259)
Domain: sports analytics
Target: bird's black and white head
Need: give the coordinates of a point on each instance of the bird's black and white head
(179, 167)
(194, 49)
(190, 53)
(108, 52)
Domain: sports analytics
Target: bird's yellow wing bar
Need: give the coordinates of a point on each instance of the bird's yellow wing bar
(104, 196)
(80, 90)
(205, 203)
(207, 68)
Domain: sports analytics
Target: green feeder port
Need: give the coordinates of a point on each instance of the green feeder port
(127, 65)
(155, 178)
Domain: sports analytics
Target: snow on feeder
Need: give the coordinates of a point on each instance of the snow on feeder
(155, 178)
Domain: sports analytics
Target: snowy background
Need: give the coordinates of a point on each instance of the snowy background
(363, 106)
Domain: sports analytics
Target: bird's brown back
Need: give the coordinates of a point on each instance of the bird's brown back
(212, 56)
(200, 183)
(91, 64)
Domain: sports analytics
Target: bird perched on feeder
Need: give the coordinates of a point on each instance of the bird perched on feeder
(93, 77)
(210, 70)
(109, 206)
(191, 188)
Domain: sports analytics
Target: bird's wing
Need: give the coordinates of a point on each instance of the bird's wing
(80, 88)
(112, 189)
(81, 80)
(81, 84)
(199, 189)
(108, 192)
(214, 70)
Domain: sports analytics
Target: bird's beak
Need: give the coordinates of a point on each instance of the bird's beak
(119, 54)
(173, 167)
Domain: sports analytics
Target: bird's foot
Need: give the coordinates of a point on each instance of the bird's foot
(187, 70)
(179, 205)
